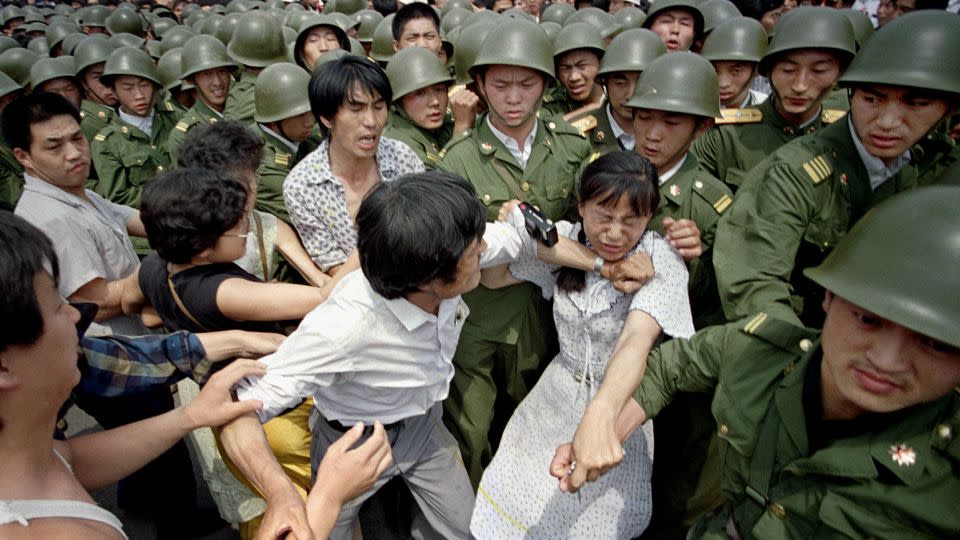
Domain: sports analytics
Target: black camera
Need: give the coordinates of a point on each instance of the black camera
(538, 225)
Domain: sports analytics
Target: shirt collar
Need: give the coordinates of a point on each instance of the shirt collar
(38, 185)
(878, 171)
(294, 147)
(386, 163)
(521, 155)
(665, 177)
(144, 124)
(627, 139)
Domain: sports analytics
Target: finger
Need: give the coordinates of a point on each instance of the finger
(685, 242)
(577, 477)
(668, 222)
(349, 437)
(565, 485)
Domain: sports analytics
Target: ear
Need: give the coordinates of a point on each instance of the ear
(327, 123)
(396, 46)
(703, 126)
(827, 300)
(8, 379)
(23, 158)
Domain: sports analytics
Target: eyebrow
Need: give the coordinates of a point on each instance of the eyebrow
(70, 135)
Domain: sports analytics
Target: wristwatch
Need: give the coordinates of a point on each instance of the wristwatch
(598, 264)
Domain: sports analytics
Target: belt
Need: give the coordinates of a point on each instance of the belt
(369, 425)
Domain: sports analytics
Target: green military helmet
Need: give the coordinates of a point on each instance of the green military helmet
(332, 55)
(519, 43)
(289, 36)
(239, 6)
(557, 12)
(811, 28)
(345, 21)
(189, 9)
(211, 25)
(8, 85)
(129, 61)
(17, 63)
(316, 21)
(369, 19)
(681, 82)
(466, 48)
(281, 92)
(176, 37)
(382, 47)
(414, 68)
(34, 27)
(632, 50)
(356, 47)
(460, 4)
(895, 261)
(161, 26)
(94, 16)
(274, 4)
(484, 15)
(630, 17)
(330, 6)
(517, 13)
(32, 17)
(227, 26)
(577, 36)
(194, 20)
(218, 9)
(740, 39)
(296, 19)
(58, 31)
(294, 6)
(92, 51)
(716, 11)
(606, 23)
(39, 46)
(7, 42)
(350, 6)
(126, 21)
(124, 39)
(203, 52)
(551, 29)
(454, 18)
(693, 6)
(910, 51)
(63, 9)
(48, 69)
(862, 26)
(12, 13)
(169, 67)
(257, 41)
(69, 43)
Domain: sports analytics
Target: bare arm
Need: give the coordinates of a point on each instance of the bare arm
(106, 294)
(497, 277)
(244, 300)
(288, 243)
(238, 344)
(135, 226)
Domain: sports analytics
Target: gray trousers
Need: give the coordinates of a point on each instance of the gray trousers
(426, 455)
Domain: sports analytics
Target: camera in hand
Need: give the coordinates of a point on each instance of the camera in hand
(538, 225)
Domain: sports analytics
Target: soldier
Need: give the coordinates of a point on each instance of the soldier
(679, 23)
(56, 76)
(206, 66)
(735, 48)
(797, 204)
(11, 172)
(93, 19)
(416, 25)
(849, 432)
(99, 103)
(130, 151)
(609, 127)
(286, 123)
(257, 42)
(418, 117)
(508, 154)
(180, 94)
(317, 35)
(577, 51)
(810, 48)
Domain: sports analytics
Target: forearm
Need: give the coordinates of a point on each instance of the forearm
(322, 512)
(628, 362)
(569, 253)
(108, 295)
(244, 440)
(230, 344)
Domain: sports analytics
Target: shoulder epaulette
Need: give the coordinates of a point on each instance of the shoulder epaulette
(739, 116)
(100, 137)
(785, 335)
(585, 124)
(83, 115)
(558, 125)
(818, 168)
(713, 193)
(102, 115)
(754, 323)
(829, 116)
(456, 139)
(182, 126)
(282, 159)
(169, 107)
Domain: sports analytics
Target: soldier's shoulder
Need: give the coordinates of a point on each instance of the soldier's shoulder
(712, 190)
(108, 131)
(586, 120)
(791, 338)
(750, 115)
(456, 145)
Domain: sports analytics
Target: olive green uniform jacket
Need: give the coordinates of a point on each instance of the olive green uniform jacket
(425, 144)
(11, 178)
(240, 105)
(895, 479)
(743, 140)
(791, 210)
(200, 113)
(595, 124)
(94, 117)
(278, 159)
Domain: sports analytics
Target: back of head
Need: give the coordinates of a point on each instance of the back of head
(227, 145)
(24, 252)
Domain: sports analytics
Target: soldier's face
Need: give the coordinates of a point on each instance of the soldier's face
(891, 119)
(734, 79)
(513, 94)
(212, 87)
(420, 32)
(577, 71)
(66, 88)
(99, 91)
(615, 6)
(319, 41)
(135, 94)
(613, 229)
(665, 137)
(801, 79)
(620, 86)
(676, 29)
(355, 129)
(59, 153)
(298, 128)
(873, 365)
(425, 107)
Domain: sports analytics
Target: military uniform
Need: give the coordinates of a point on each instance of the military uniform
(278, 159)
(595, 124)
(556, 101)
(745, 137)
(891, 476)
(94, 117)
(240, 104)
(509, 331)
(427, 145)
(11, 178)
(200, 113)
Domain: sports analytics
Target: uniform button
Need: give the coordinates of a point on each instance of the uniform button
(153, 147)
(943, 431)
(160, 168)
(563, 192)
(698, 184)
(805, 345)
(525, 186)
(778, 510)
(724, 429)
(486, 198)
(552, 125)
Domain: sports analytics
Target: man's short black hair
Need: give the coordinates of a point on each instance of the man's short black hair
(415, 229)
(385, 7)
(410, 12)
(25, 111)
(227, 145)
(333, 83)
(186, 210)
(24, 251)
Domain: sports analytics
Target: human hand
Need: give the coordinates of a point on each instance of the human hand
(595, 449)
(560, 465)
(464, 105)
(344, 473)
(506, 210)
(684, 235)
(285, 518)
(630, 274)
(215, 406)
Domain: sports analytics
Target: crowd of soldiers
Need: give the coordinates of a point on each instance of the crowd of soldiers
(773, 129)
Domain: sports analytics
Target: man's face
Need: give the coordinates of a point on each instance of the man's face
(676, 29)
(66, 88)
(533, 7)
(59, 153)
(885, 12)
(420, 32)
(615, 6)
(873, 365)
(620, 87)
(357, 126)
(425, 107)
(468, 273)
(212, 86)
(513, 94)
(802, 78)
(96, 89)
(903, 7)
(298, 128)
(664, 137)
(891, 119)
(135, 94)
(577, 71)
(320, 40)
(734, 79)
(90, 30)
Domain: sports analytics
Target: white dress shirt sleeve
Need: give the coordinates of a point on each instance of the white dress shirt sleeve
(504, 245)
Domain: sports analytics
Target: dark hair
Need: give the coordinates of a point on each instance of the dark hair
(410, 12)
(23, 112)
(415, 229)
(186, 210)
(24, 251)
(227, 145)
(385, 7)
(605, 181)
(332, 84)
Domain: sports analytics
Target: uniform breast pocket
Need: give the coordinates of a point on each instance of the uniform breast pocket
(142, 167)
(493, 195)
(820, 238)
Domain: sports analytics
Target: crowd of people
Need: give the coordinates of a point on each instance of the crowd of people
(428, 269)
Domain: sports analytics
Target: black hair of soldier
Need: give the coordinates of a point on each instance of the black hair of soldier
(24, 251)
(415, 229)
(410, 12)
(185, 211)
(22, 113)
(227, 145)
(605, 182)
(333, 84)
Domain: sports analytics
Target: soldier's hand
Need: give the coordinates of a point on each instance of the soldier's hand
(464, 105)
(596, 447)
(684, 235)
(630, 274)
(506, 209)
